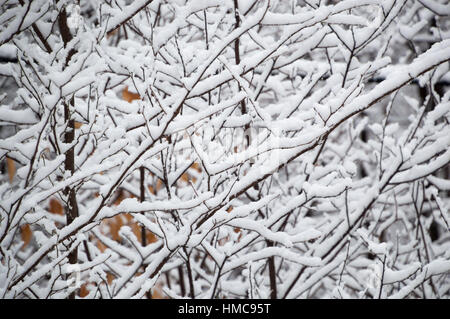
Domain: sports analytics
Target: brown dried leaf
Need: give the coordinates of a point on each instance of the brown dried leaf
(55, 207)
(26, 234)
(129, 96)
(11, 166)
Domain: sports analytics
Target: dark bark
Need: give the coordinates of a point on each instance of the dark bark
(181, 281)
(141, 199)
(238, 61)
(71, 208)
(272, 274)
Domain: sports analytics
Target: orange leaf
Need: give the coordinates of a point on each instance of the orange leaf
(101, 246)
(157, 292)
(184, 177)
(84, 291)
(55, 207)
(26, 234)
(136, 229)
(114, 226)
(128, 217)
(129, 96)
(196, 166)
(11, 168)
(109, 277)
(151, 238)
(159, 184)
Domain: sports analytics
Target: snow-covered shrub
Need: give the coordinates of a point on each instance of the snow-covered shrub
(224, 149)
